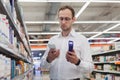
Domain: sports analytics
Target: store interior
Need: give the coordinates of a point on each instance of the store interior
(97, 20)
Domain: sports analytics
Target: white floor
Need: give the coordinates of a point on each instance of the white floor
(41, 76)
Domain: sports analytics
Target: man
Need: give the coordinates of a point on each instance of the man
(64, 64)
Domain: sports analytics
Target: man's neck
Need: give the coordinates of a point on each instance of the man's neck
(65, 33)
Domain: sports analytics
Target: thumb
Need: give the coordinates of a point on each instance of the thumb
(73, 50)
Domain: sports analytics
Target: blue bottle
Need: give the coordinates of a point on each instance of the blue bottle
(70, 45)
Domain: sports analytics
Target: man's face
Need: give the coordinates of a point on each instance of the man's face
(65, 19)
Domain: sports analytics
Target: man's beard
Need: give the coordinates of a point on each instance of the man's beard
(65, 29)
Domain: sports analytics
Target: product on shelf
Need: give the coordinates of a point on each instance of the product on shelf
(5, 68)
(12, 44)
(117, 62)
(102, 76)
(107, 65)
(97, 48)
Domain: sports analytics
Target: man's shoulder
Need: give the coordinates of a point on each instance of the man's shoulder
(54, 37)
(81, 36)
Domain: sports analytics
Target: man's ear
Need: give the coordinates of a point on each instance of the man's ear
(74, 19)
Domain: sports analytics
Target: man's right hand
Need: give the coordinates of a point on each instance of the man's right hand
(52, 54)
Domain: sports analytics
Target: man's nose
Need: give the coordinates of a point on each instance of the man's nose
(63, 21)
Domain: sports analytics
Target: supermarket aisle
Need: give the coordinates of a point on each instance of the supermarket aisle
(39, 76)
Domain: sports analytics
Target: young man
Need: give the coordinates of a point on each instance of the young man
(65, 64)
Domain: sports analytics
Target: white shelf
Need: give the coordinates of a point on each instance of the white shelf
(106, 52)
(20, 18)
(102, 63)
(11, 53)
(110, 72)
(110, 62)
(20, 77)
(5, 11)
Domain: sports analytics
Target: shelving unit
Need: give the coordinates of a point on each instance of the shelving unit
(111, 62)
(22, 76)
(20, 18)
(108, 72)
(10, 53)
(15, 54)
(5, 11)
(107, 65)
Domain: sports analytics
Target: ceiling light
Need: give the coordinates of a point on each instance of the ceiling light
(107, 1)
(39, 40)
(39, 44)
(101, 1)
(103, 38)
(113, 40)
(89, 39)
(54, 33)
(89, 42)
(36, 49)
(32, 0)
(41, 22)
(83, 8)
(44, 33)
(76, 22)
(105, 31)
(99, 43)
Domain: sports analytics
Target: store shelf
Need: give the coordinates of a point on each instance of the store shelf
(117, 62)
(111, 62)
(21, 77)
(14, 50)
(4, 10)
(11, 53)
(20, 18)
(106, 52)
(106, 63)
(108, 72)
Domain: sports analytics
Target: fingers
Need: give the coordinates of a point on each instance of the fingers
(53, 54)
(71, 53)
(71, 57)
(52, 51)
(57, 53)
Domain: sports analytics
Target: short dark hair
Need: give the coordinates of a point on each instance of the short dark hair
(68, 7)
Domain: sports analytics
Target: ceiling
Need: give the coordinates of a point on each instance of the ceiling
(98, 20)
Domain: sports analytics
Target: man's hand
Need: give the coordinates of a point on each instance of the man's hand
(52, 54)
(72, 57)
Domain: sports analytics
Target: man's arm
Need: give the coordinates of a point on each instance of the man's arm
(86, 64)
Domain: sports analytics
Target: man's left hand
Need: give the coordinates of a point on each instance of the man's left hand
(72, 57)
